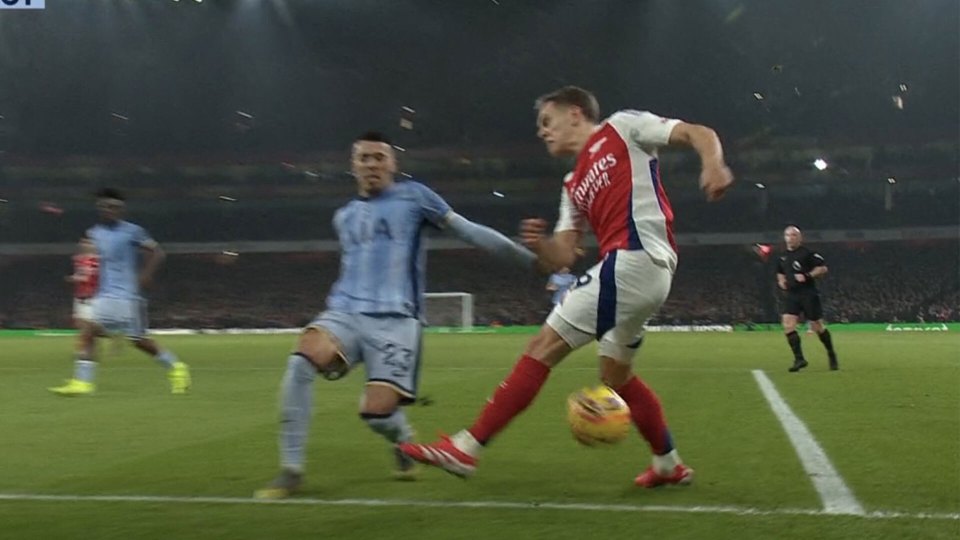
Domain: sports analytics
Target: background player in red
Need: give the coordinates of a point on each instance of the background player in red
(614, 189)
(85, 278)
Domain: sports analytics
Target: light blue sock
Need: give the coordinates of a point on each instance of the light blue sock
(394, 427)
(84, 370)
(296, 398)
(166, 358)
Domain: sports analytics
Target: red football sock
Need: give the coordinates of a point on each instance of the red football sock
(647, 415)
(514, 394)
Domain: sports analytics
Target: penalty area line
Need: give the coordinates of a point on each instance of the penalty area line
(833, 491)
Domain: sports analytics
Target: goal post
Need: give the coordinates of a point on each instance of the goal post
(451, 309)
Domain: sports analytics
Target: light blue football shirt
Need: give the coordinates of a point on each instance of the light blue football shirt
(383, 256)
(119, 246)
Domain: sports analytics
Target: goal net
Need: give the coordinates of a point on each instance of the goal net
(451, 309)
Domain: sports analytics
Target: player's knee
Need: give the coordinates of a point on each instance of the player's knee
(379, 401)
(323, 352)
(88, 332)
(817, 326)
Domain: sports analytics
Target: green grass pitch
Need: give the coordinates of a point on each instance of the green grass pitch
(889, 421)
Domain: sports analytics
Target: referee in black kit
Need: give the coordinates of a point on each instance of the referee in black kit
(797, 272)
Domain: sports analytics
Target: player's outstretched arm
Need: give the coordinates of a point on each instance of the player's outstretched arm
(715, 177)
(489, 240)
(554, 252)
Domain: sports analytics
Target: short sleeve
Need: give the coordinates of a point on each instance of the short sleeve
(780, 269)
(644, 128)
(432, 206)
(815, 259)
(142, 238)
(570, 217)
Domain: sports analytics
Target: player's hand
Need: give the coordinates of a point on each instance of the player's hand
(70, 279)
(715, 180)
(532, 233)
(800, 278)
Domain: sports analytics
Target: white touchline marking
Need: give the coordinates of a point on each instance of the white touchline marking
(280, 367)
(836, 496)
(507, 505)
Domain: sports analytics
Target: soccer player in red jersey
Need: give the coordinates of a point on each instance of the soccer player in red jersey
(85, 278)
(615, 189)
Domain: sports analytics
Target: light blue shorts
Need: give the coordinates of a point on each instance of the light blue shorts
(121, 316)
(388, 345)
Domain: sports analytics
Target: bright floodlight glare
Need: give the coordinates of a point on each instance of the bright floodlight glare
(760, 186)
(820, 164)
(891, 180)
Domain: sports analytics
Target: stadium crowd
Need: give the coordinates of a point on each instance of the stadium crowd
(877, 282)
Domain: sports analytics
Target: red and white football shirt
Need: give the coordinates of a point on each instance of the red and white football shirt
(87, 268)
(615, 188)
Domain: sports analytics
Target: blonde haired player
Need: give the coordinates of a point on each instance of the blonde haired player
(615, 189)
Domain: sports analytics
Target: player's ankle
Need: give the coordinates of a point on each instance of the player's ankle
(665, 464)
(467, 443)
(293, 469)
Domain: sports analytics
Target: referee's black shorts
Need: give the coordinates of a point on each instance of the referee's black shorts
(807, 303)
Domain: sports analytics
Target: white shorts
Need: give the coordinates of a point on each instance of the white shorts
(83, 309)
(611, 302)
(121, 316)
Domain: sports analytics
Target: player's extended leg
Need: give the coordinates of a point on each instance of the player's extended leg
(793, 338)
(458, 454)
(391, 352)
(84, 365)
(317, 352)
(647, 414)
(380, 409)
(177, 371)
(825, 338)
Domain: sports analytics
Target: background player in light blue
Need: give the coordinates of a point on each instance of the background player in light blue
(374, 309)
(560, 283)
(129, 258)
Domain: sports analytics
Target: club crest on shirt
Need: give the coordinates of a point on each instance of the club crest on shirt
(596, 147)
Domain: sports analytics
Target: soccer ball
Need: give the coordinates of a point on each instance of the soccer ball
(598, 416)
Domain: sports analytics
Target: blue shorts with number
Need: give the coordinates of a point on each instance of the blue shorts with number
(388, 345)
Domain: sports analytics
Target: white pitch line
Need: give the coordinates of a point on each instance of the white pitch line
(836, 496)
(503, 505)
(279, 368)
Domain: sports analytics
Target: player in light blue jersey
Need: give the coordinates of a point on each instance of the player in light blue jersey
(559, 284)
(374, 309)
(129, 258)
